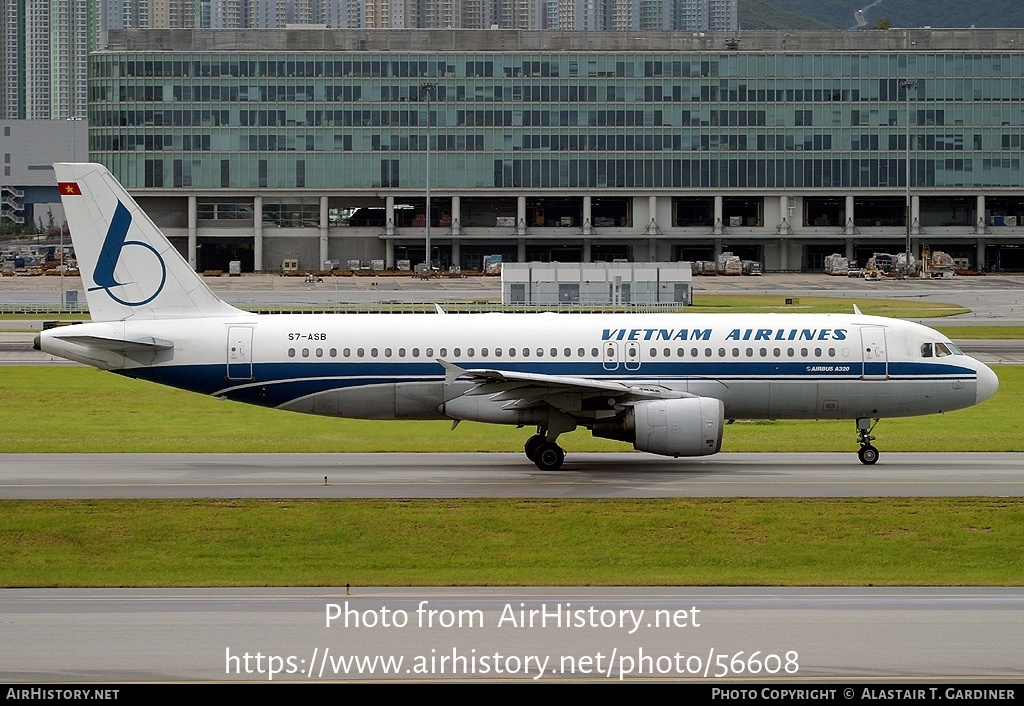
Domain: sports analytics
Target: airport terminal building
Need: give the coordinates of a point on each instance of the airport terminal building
(782, 147)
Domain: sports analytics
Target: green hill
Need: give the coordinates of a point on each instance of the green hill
(764, 14)
(903, 13)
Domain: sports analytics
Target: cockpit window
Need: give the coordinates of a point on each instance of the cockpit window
(926, 350)
(954, 349)
(941, 350)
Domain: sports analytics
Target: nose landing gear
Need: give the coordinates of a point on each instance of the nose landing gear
(867, 454)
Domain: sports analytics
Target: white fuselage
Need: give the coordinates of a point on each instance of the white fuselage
(389, 366)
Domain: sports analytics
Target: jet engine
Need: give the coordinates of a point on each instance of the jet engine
(690, 426)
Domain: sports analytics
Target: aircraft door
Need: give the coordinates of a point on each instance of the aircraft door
(611, 355)
(239, 353)
(632, 355)
(876, 360)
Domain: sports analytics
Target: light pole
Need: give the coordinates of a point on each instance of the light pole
(430, 87)
(907, 85)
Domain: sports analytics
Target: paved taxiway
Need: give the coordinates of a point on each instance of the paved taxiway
(489, 475)
(848, 634)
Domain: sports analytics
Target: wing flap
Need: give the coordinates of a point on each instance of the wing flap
(522, 390)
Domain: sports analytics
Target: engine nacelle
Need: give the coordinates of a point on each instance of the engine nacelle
(690, 426)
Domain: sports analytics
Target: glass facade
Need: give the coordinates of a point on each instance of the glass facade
(781, 147)
(769, 121)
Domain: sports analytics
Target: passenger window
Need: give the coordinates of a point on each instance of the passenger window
(334, 352)
(444, 352)
(593, 352)
(680, 352)
(654, 352)
(291, 352)
(415, 352)
(401, 352)
(457, 353)
(305, 352)
(319, 352)
(387, 352)
(359, 352)
(735, 352)
(373, 352)
(430, 352)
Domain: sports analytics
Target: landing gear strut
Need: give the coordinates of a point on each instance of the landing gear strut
(868, 454)
(547, 455)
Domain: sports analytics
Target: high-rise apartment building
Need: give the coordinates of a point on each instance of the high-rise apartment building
(44, 46)
(723, 15)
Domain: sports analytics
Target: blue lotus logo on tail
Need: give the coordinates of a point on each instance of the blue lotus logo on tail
(114, 245)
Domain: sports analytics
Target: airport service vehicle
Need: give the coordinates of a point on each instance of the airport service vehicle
(666, 383)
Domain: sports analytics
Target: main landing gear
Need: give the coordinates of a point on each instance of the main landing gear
(546, 454)
(868, 454)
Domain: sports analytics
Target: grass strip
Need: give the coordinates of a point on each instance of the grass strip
(89, 411)
(768, 303)
(504, 542)
(999, 333)
(702, 303)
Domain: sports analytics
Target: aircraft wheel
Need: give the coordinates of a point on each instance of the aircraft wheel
(532, 444)
(549, 456)
(868, 454)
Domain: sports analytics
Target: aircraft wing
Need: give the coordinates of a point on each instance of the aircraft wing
(526, 389)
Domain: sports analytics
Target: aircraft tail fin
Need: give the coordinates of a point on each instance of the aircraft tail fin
(129, 268)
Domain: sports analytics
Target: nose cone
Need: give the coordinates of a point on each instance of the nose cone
(988, 383)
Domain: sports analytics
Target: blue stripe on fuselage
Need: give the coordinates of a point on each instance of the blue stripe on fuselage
(274, 384)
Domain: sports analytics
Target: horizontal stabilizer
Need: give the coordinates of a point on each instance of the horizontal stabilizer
(120, 345)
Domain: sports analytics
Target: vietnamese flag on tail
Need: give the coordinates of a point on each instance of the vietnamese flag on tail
(69, 188)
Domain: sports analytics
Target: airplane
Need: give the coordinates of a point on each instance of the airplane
(667, 383)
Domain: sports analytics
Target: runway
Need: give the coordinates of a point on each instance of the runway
(506, 475)
(856, 636)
